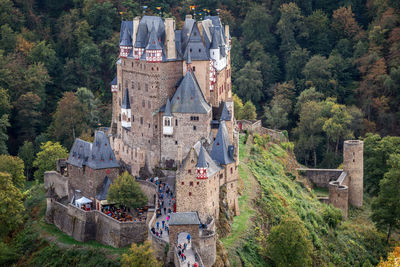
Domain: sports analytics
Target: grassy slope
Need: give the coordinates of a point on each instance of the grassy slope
(350, 243)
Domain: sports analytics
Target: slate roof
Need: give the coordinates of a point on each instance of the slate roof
(221, 146)
(114, 81)
(146, 25)
(153, 43)
(195, 46)
(201, 160)
(96, 155)
(126, 39)
(184, 218)
(189, 98)
(167, 111)
(126, 104)
(124, 24)
(212, 166)
(102, 195)
(225, 115)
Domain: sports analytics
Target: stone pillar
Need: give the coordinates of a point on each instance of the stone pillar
(339, 197)
(170, 38)
(353, 164)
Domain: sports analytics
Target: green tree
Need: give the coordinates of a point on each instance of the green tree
(237, 107)
(28, 116)
(8, 38)
(126, 191)
(87, 98)
(377, 151)
(317, 32)
(15, 167)
(248, 84)
(27, 154)
(318, 73)
(337, 127)
(140, 256)
(11, 206)
(289, 27)
(69, 120)
(249, 111)
(307, 95)
(309, 131)
(46, 158)
(276, 116)
(288, 244)
(5, 108)
(256, 16)
(295, 63)
(386, 206)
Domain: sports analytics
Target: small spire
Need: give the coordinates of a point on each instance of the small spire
(189, 62)
(167, 111)
(201, 160)
(126, 104)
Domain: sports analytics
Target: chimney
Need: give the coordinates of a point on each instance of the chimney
(200, 27)
(170, 38)
(227, 33)
(135, 30)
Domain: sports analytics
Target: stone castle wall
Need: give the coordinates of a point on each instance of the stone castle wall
(94, 225)
(149, 189)
(321, 177)
(58, 182)
(255, 126)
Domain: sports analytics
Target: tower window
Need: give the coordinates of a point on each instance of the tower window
(194, 68)
(141, 120)
(190, 193)
(231, 170)
(176, 142)
(194, 128)
(191, 183)
(183, 183)
(176, 122)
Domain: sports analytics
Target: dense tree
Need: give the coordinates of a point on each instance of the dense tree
(345, 25)
(289, 244)
(258, 15)
(15, 167)
(309, 131)
(289, 26)
(294, 65)
(126, 191)
(392, 260)
(386, 206)
(140, 256)
(249, 111)
(27, 154)
(249, 83)
(377, 151)
(28, 116)
(91, 104)
(276, 116)
(46, 158)
(70, 119)
(317, 32)
(237, 107)
(11, 205)
(318, 74)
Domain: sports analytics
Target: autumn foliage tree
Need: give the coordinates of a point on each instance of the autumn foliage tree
(140, 256)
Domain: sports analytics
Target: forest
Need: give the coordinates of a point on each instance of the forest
(321, 71)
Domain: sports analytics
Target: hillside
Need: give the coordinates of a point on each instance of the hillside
(272, 191)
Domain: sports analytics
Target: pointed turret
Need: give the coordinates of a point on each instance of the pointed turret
(125, 45)
(201, 165)
(225, 114)
(222, 149)
(153, 48)
(126, 110)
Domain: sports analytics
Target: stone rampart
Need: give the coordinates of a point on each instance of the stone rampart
(57, 181)
(207, 249)
(255, 126)
(94, 225)
(321, 177)
(149, 189)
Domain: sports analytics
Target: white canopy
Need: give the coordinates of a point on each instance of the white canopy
(82, 201)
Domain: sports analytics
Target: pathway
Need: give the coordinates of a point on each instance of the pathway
(189, 252)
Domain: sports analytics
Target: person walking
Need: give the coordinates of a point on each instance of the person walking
(163, 223)
(188, 238)
(158, 225)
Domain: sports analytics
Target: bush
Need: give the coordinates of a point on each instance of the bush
(332, 216)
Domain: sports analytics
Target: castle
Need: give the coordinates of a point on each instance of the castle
(172, 109)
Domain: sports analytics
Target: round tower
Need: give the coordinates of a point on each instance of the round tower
(353, 164)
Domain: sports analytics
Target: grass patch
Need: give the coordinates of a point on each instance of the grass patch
(321, 191)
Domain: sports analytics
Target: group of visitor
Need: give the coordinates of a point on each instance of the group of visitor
(121, 214)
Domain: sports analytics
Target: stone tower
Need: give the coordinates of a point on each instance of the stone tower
(353, 164)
